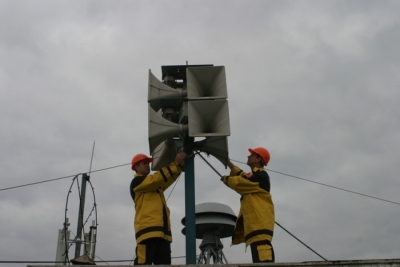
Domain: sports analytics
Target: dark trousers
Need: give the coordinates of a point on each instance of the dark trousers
(262, 251)
(153, 251)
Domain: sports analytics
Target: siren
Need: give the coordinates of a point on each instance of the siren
(206, 83)
(215, 146)
(161, 95)
(161, 129)
(165, 153)
(207, 107)
(208, 118)
(198, 109)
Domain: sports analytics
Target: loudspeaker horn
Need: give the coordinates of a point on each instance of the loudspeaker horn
(161, 129)
(165, 153)
(206, 83)
(215, 146)
(161, 95)
(208, 118)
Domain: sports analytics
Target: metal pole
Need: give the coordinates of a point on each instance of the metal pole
(78, 238)
(63, 237)
(190, 203)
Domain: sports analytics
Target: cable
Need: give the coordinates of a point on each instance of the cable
(300, 240)
(102, 260)
(178, 257)
(69, 176)
(293, 176)
(177, 179)
(65, 221)
(8, 188)
(116, 166)
(198, 153)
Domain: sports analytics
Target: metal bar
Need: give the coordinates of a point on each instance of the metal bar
(190, 203)
(80, 216)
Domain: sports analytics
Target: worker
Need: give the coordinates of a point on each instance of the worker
(152, 217)
(255, 222)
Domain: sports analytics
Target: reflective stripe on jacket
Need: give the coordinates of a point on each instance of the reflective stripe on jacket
(152, 216)
(256, 217)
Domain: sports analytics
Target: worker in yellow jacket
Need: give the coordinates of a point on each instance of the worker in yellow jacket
(256, 219)
(152, 216)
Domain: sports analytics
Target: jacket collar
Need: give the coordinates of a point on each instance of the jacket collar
(257, 169)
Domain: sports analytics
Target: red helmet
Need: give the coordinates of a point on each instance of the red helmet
(139, 157)
(262, 152)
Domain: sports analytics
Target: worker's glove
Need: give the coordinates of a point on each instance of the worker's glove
(224, 179)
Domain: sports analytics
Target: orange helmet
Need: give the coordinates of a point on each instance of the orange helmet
(262, 152)
(139, 157)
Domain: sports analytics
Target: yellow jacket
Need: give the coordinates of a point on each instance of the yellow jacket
(256, 217)
(152, 213)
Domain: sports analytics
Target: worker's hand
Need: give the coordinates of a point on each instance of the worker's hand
(224, 179)
(180, 158)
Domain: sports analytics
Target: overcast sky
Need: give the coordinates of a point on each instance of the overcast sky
(315, 82)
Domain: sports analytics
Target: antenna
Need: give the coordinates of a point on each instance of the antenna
(89, 239)
(91, 160)
(79, 230)
(213, 221)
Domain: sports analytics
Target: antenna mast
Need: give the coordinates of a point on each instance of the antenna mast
(85, 178)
